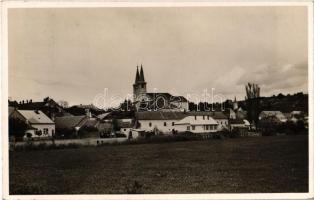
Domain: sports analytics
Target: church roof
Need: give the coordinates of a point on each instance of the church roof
(156, 115)
(137, 76)
(141, 78)
(167, 96)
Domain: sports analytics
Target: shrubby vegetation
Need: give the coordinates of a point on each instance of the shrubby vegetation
(17, 128)
(269, 128)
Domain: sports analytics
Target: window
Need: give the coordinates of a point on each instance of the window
(203, 116)
(165, 123)
(207, 116)
(53, 132)
(172, 123)
(45, 131)
(211, 127)
(150, 124)
(125, 129)
(188, 128)
(207, 127)
(193, 127)
(195, 117)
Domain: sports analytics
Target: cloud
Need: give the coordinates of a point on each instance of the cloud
(275, 77)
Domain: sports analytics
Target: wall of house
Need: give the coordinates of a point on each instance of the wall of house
(41, 127)
(51, 129)
(222, 124)
(125, 131)
(197, 129)
(159, 124)
(232, 126)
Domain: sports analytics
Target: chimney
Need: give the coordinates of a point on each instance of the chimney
(88, 113)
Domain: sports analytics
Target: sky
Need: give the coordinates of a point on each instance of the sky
(74, 54)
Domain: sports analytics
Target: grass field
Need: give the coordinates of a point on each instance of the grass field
(261, 164)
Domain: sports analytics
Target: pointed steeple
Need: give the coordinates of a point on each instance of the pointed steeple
(137, 77)
(142, 74)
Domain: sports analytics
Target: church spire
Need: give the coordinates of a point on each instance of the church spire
(142, 74)
(137, 77)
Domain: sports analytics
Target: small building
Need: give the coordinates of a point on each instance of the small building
(70, 125)
(278, 116)
(41, 126)
(237, 124)
(105, 129)
(48, 106)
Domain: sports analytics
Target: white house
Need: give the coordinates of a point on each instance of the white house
(197, 124)
(42, 125)
(220, 117)
(169, 122)
(158, 121)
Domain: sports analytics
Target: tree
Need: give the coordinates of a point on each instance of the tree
(17, 127)
(253, 102)
(63, 104)
(127, 105)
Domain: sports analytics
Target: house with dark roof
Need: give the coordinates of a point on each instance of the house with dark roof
(48, 106)
(237, 124)
(145, 101)
(81, 126)
(41, 126)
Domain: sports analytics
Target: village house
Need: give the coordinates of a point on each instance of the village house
(276, 116)
(73, 126)
(237, 124)
(197, 124)
(41, 126)
(158, 121)
(48, 106)
(172, 122)
(220, 117)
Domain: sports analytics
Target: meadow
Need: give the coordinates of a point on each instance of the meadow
(239, 165)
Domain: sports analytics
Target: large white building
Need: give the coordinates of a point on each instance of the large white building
(169, 122)
(146, 101)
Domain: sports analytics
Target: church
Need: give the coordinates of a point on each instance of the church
(146, 101)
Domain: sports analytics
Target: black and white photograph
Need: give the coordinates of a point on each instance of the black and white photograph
(150, 99)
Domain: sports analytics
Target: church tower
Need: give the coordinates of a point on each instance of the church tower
(139, 87)
(235, 104)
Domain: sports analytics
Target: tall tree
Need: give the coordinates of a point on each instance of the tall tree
(253, 102)
(17, 127)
